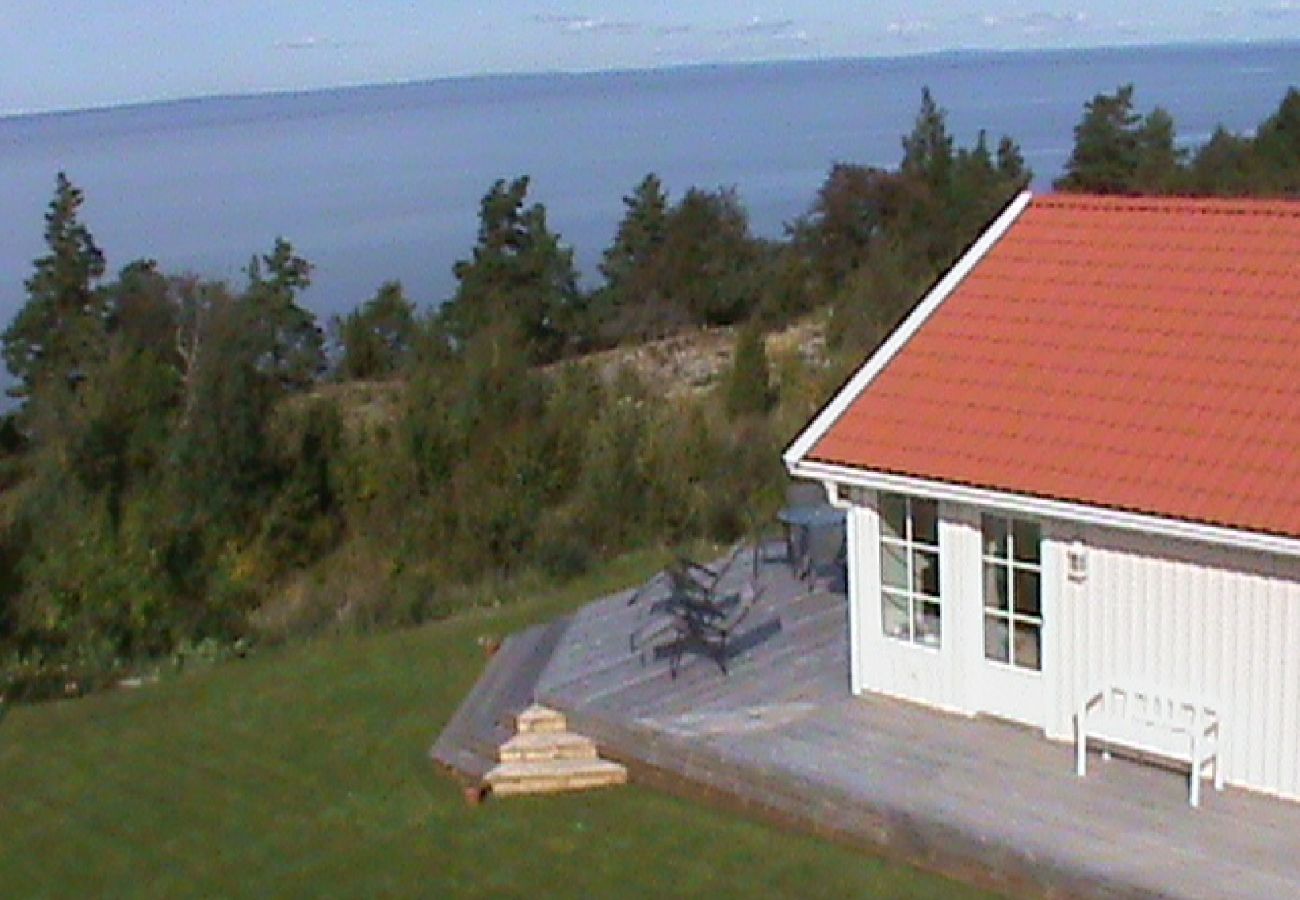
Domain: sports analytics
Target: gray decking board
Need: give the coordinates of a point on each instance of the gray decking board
(468, 743)
(976, 798)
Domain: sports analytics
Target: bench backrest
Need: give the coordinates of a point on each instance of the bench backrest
(1148, 718)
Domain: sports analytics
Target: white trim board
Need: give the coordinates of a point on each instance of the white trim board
(1051, 509)
(822, 423)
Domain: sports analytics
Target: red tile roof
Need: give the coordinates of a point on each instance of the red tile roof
(1135, 354)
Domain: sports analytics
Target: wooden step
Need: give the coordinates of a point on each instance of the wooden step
(534, 746)
(551, 776)
(538, 719)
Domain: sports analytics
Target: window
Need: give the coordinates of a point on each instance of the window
(1013, 592)
(909, 569)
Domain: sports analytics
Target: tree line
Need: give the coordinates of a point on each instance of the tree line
(195, 463)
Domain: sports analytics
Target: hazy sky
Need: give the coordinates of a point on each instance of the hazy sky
(73, 53)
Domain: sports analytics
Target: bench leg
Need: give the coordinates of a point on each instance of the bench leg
(1198, 769)
(1080, 748)
(1218, 769)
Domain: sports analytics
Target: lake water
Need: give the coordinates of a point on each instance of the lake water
(384, 182)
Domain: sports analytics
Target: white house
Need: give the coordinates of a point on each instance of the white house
(1077, 464)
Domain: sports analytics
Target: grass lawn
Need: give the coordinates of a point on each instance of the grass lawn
(303, 771)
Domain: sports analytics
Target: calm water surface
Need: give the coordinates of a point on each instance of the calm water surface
(384, 182)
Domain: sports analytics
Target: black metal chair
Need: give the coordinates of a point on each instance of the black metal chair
(708, 623)
(693, 610)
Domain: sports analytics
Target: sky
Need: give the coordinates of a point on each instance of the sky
(68, 54)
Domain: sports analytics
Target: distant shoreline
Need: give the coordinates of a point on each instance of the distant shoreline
(469, 78)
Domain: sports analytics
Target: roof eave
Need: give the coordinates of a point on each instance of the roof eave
(1041, 507)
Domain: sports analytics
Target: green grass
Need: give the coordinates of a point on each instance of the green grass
(303, 772)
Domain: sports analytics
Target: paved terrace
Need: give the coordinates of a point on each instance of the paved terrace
(987, 801)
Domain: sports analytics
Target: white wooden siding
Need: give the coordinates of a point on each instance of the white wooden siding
(1194, 618)
(1206, 621)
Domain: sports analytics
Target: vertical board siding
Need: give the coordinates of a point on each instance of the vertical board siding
(1195, 619)
(855, 527)
(1198, 620)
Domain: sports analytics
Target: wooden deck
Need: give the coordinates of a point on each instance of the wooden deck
(985, 801)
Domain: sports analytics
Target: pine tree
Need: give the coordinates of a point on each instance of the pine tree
(1277, 147)
(927, 151)
(639, 235)
(296, 346)
(709, 258)
(1224, 165)
(1160, 162)
(1106, 151)
(377, 338)
(518, 274)
(59, 333)
(1011, 164)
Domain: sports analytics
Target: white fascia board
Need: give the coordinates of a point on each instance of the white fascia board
(1049, 509)
(901, 335)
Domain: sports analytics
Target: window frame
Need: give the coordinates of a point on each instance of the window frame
(1008, 564)
(913, 594)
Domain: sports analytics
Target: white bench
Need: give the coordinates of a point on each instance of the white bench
(1156, 722)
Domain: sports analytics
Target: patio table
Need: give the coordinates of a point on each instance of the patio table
(799, 523)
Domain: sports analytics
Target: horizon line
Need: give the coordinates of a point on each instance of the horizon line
(14, 115)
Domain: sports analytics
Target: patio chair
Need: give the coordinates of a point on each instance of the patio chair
(826, 558)
(708, 624)
(683, 583)
(691, 608)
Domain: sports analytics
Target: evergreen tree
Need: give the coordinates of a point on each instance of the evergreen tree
(1160, 162)
(58, 334)
(1011, 164)
(295, 344)
(377, 338)
(928, 149)
(640, 234)
(749, 383)
(1106, 150)
(518, 273)
(708, 265)
(142, 311)
(1224, 165)
(119, 435)
(1277, 147)
(632, 300)
(693, 263)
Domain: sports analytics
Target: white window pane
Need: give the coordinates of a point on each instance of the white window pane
(995, 587)
(1029, 650)
(1028, 537)
(925, 569)
(893, 516)
(1028, 593)
(995, 536)
(893, 566)
(895, 615)
(925, 522)
(927, 624)
(996, 645)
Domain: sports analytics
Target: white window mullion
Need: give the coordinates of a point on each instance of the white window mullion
(911, 596)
